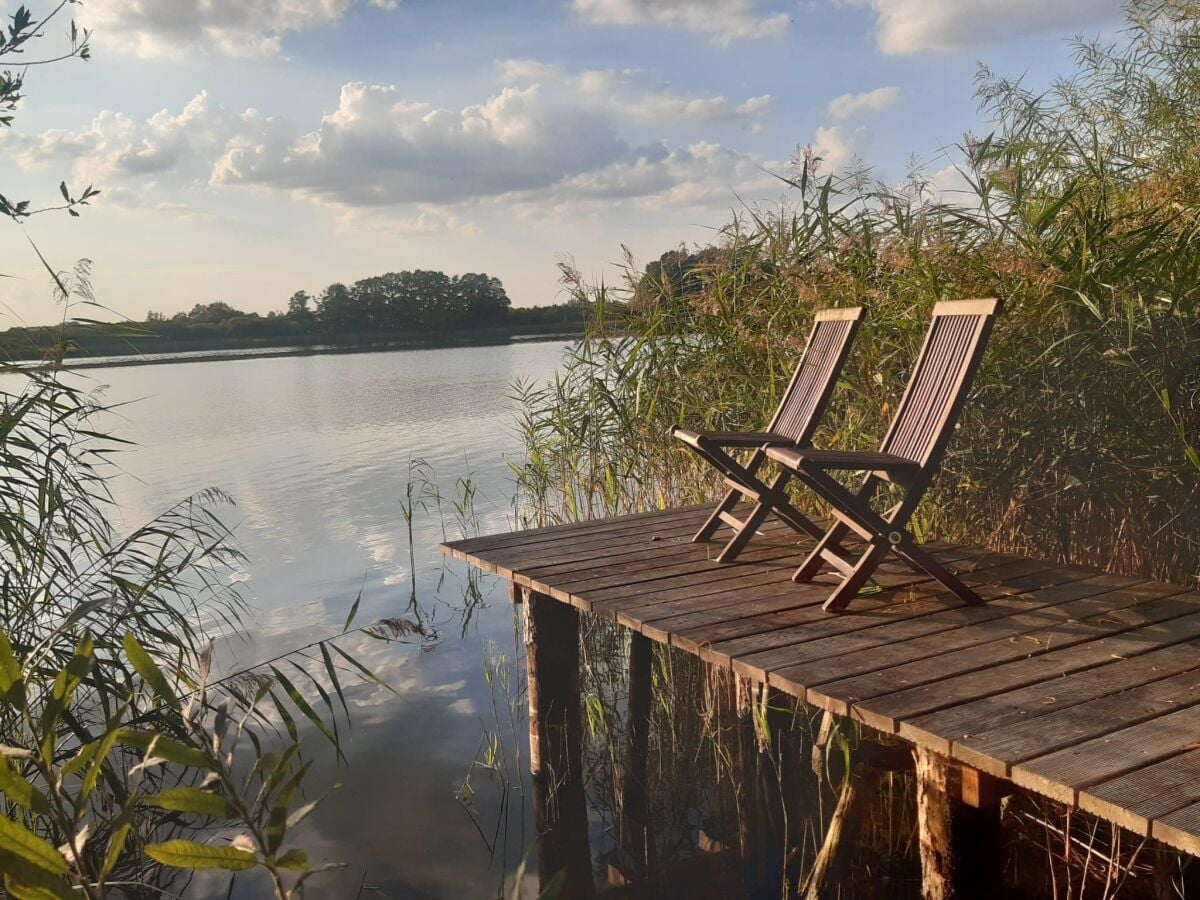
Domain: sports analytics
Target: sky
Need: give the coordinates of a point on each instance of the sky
(247, 149)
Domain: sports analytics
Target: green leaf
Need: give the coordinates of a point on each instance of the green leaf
(294, 861)
(304, 707)
(149, 670)
(192, 800)
(116, 842)
(20, 791)
(23, 882)
(103, 746)
(554, 889)
(65, 683)
(278, 819)
(168, 749)
(80, 759)
(190, 855)
(12, 685)
(353, 613)
(18, 840)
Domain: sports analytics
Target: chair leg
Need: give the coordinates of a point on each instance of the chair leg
(831, 539)
(742, 537)
(709, 528)
(852, 583)
(796, 520)
(908, 550)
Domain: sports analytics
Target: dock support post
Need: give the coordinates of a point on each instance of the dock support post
(934, 827)
(978, 836)
(556, 744)
(636, 839)
(958, 824)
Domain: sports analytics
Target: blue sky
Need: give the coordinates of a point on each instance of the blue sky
(251, 148)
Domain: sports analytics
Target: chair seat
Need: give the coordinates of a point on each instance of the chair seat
(849, 460)
(732, 438)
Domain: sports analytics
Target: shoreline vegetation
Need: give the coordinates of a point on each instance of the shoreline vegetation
(259, 349)
(1081, 444)
(392, 311)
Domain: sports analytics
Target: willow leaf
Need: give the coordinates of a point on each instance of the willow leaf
(183, 854)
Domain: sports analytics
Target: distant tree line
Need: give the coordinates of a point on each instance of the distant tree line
(417, 303)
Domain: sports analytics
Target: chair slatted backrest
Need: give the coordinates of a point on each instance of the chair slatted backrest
(816, 374)
(941, 379)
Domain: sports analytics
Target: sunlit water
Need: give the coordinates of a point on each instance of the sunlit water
(316, 452)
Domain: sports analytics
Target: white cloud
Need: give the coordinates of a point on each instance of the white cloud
(430, 221)
(525, 71)
(616, 92)
(834, 147)
(114, 145)
(702, 174)
(377, 149)
(911, 26)
(412, 169)
(848, 105)
(724, 20)
(159, 28)
(666, 104)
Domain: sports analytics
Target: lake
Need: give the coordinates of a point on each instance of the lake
(318, 452)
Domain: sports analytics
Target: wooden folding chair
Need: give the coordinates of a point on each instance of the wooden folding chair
(909, 457)
(793, 425)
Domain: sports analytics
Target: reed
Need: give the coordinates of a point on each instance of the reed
(1081, 210)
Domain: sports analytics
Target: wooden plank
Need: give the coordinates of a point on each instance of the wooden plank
(909, 642)
(950, 653)
(664, 546)
(758, 557)
(504, 561)
(944, 712)
(471, 546)
(770, 642)
(587, 545)
(1061, 774)
(1023, 743)
(1136, 799)
(751, 650)
(744, 617)
(697, 626)
(630, 603)
(1179, 829)
(649, 578)
(705, 637)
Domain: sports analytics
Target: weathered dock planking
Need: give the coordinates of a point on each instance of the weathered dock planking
(1078, 685)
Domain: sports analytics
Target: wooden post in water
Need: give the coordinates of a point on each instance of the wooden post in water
(636, 841)
(979, 836)
(934, 826)
(958, 824)
(556, 744)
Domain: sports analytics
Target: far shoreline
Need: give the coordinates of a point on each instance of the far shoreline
(443, 341)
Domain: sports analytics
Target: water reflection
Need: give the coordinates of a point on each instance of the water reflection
(318, 451)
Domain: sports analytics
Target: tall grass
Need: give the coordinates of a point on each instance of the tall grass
(1080, 211)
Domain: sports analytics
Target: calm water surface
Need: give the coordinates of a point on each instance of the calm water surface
(317, 452)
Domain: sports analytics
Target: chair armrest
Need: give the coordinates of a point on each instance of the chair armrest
(845, 460)
(732, 438)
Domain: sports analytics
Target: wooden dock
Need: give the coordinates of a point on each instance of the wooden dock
(1080, 686)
